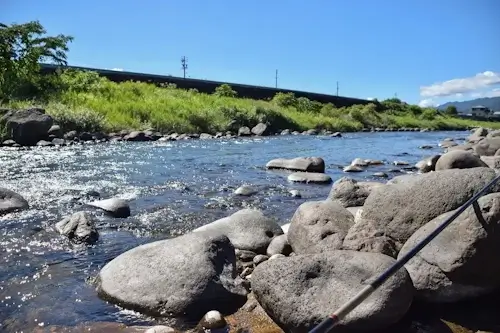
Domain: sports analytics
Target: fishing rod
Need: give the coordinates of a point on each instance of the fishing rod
(333, 320)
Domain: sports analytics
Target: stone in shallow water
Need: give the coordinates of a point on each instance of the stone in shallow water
(116, 207)
(245, 190)
(10, 201)
(310, 177)
(307, 164)
(78, 227)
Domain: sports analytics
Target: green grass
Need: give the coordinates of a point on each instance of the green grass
(100, 105)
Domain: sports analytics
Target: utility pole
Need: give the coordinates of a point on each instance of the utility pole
(276, 79)
(184, 65)
(337, 88)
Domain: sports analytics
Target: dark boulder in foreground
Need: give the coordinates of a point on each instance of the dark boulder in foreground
(306, 164)
(79, 228)
(391, 214)
(114, 206)
(26, 127)
(248, 229)
(351, 193)
(459, 159)
(299, 292)
(462, 261)
(318, 226)
(10, 201)
(184, 276)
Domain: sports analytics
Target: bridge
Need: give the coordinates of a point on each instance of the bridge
(207, 86)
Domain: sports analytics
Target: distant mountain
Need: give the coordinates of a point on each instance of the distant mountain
(493, 103)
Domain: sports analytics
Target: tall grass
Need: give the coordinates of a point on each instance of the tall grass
(88, 102)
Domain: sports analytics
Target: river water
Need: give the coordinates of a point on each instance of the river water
(173, 187)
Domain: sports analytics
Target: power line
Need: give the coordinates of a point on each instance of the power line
(276, 79)
(337, 88)
(184, 65)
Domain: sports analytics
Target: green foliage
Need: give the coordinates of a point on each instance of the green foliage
(429, 114)
(22, 47)
(284, 100)
(225, 90)
(451, 110)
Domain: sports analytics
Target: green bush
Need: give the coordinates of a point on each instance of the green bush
(285, 100)
(225, 90)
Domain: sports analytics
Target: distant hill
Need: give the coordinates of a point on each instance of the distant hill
(493, 103)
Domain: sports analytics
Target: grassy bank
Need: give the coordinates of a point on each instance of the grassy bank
(85, 101)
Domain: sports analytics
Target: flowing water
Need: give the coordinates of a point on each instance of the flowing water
(173, 187)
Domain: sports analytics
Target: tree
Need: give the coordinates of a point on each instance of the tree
(451, 110)
(22, 48)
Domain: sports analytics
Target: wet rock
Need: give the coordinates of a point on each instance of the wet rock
(261, 129)
(306, 164)
(309, 177)
(400, 163)
(10, 201)
(491, 161)
(279, 245)
(79, 228)
(459, 160)
(285, 132)
(374, 162)
(353, 168)
(428, 164)
(8, 143)
(336, 135)
(318, 226)
(311, 131)
(295, 194)
(259, 259)
(55, 130)
(114, 206)
(426, 147)
(43, 143)
(462, 261)
(27, 126)
(136, 136)
(299, 292)
(58, 142)
(244, 131)
(391, 214)
(205, 136)
(380, 175)
(487, 147)
(245, 190)
(183, 276)
(349, 192)
(448, 144)
(248, 229)
(86, 136)
(71, 135)
(359, 162)
(212, 322)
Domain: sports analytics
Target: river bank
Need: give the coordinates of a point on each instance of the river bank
(172, 188)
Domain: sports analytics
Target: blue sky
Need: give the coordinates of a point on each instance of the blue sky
(424, 51)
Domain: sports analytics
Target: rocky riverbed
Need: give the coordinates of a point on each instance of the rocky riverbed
(119, 237)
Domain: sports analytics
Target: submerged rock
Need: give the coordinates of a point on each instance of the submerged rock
(10, 201)
(79, 228)
(319, 226)
(248, 229)
(299, 292)
(184, 276)
(306, 164)
(114, 206)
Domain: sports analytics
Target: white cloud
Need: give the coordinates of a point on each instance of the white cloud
(370, 98)
(427, 103)
(117, 69)
(462, 85)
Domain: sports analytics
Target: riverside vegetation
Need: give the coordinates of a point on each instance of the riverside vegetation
(84, 101)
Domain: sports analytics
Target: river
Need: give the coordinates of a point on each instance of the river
(173, 187)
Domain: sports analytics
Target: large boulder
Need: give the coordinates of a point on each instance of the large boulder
(184, 276)
(79, 228)
(391, 214)
(248, 229)
(26, 127)
(10, 201)
(487, 147)
(462, 261)
(491, 161)
(318, 226)
(306, 164)
(113, 206)
(300, 291)
(351, 193)
(261, 129)
(478, 135)
(459, 159)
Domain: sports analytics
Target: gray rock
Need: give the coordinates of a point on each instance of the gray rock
(487, 147)
(479, 134)
(55, 130)
(136, 136)
(491, 161)
(309, 177)
(8, 143)
(448, 144)
(212, 322)
(319, 226)
(459, 160)
(359, 162)
(306, 164)
(86, 136)
(426, 147)
(403, 179)
(71, 135)
(261, 129)
(391, 214)
(248, 229)
(279, 245)
(295, 194)
(245, 190)
(245, 255)
(43, 143)
(10, 201)
(336, 135)
(58, 142)
(183, 276)
(285, 132)
(160, 329)
(462, 261)
(353, 168)
(466, 146)
(79, 228)
(380, 175)
(277, 256)
(26, 127)
(244, 131)
(311, 131)
(299, 292)
(114, 206)
(400, 163)
(428, 164)
(349, 192)
(259, 259)
(205, 136)
(493, 134)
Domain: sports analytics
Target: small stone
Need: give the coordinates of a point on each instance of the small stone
(212, 320)
(277, 256)
(245, 255)
(359, 162)
(260, 258)
(295, 194)
(399, 163)
(247, 271)
(353, 168)
(380, 175)
(336, 135)
(245, 190)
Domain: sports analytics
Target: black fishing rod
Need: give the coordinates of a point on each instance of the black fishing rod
(333, 320)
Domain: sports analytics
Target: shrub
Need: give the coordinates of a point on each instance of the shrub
(285, 100)
(225, 90)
